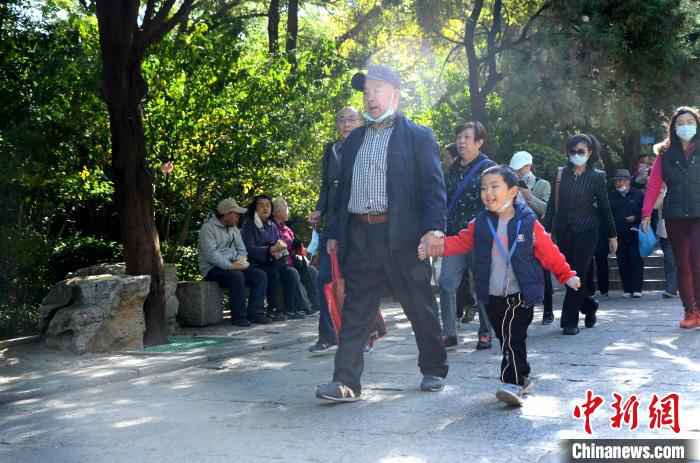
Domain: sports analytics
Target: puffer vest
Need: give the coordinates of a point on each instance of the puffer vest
(682, 177)
(526, 268)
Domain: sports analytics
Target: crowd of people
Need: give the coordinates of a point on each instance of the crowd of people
(388, 203)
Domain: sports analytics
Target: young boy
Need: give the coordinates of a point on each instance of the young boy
(511, 247)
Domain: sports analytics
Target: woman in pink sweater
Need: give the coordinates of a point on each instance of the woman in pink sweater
(678, 166)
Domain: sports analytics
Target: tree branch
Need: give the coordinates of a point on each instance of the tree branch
(156, 29)
(523, 37)
(365, 21)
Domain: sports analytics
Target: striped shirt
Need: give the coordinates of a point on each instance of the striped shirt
(368, 190)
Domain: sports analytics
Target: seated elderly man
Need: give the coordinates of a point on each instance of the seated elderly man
(223, 258)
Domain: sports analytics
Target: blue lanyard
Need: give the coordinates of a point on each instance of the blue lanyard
(501, 248)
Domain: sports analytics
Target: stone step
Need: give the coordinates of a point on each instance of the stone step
(649, 285)
(651, 273)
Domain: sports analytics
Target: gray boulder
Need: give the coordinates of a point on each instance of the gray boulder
(100, 313)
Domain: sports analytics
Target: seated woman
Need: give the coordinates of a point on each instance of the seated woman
(268, 252)
(296, 257)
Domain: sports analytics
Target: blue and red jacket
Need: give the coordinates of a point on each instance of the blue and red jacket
(533, 251)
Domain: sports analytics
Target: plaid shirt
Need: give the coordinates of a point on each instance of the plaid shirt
(368, 192)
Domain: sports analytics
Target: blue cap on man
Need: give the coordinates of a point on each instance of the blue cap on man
(376, 72)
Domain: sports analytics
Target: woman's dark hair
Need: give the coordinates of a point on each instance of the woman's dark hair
(251, 209)
(478, 127)
(672, 141)
(507, 174)
(452, 150)
(590, 141)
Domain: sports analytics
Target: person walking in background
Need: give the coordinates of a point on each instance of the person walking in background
(512, 248)
(535, 192)
(580, 203)
(391, 196)
(464, 202)
(678, 166)
(346, 120)
(670, 271)
(626, 204)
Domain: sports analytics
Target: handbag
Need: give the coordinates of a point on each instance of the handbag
(647, 241)
(334, 291)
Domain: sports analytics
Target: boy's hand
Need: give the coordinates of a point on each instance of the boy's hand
(574, 283)
(422, 255)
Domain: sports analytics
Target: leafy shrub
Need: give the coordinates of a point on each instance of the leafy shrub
(82, 251)
(186, 259)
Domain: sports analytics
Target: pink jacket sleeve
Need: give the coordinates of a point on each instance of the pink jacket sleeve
(656, 180)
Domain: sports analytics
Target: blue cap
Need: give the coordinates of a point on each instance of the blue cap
(376, 72)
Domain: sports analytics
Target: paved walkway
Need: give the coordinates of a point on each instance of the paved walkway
(259, 405)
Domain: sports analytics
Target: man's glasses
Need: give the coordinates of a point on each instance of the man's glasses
(582, 152)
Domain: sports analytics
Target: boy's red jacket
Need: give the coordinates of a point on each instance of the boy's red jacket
(546, 252)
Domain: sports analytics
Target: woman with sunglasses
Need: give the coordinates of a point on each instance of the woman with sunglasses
(574, 217)
(678, 166)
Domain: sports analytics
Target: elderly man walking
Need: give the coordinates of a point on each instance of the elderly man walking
(391, 197)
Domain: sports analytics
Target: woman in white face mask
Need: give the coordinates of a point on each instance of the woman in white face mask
(678, 166)
(574, 215)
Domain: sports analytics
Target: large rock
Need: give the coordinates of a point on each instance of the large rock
(171, 301)
(201, 303)
(100, 313)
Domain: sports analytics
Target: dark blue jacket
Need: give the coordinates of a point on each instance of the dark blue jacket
(526, 267)
(415, 186)
(626, 206)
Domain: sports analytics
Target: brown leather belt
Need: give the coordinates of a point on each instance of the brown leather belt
(371, 218)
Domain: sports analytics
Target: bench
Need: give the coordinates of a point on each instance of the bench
(201, 303)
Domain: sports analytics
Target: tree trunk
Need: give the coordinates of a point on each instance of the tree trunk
(273, 24)
(477, 100)
(292, 31)
(123, 89)
(631, 147)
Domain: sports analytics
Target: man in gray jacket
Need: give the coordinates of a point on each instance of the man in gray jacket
(223, 258)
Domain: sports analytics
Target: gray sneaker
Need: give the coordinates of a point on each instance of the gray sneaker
(322, 348)
(432, 384)
(512, 394)
(336, 392)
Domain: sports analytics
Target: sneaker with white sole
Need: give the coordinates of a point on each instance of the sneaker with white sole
(337, 392)
(323, 348)
(512, 394)
(636, 295)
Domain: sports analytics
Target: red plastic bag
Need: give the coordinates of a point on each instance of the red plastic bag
(335, 296)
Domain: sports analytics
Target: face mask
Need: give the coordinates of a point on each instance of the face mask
(387, 114)
(578, 159)
(622, 190)
(529, 178)
(686, 132)
(505, 206)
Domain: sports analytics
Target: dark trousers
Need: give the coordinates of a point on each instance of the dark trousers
(236, 281)
(368, 268)
(465, 295)
(510, 318)
(684, 235)
(282, 276)
(631, 266)
(578, 248)
(602, 271)
(309, 280)
(548, 291)
(326, 332)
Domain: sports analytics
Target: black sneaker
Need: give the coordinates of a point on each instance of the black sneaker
(547, 318)
(484, 342)
(337, 392)
(570, 331)
(277, 316)
(590, 320)
(242, 322)
(323, 348)
(260, 320)
(295, 315)
(431, 383)
(469, 314)
(451, 342)
(311, 310)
